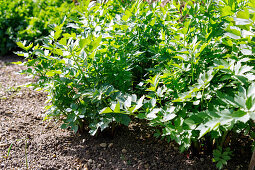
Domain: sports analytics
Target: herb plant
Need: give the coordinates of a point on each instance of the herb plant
(221, 157)
(189, 71)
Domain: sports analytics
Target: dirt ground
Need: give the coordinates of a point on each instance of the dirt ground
(36, 144)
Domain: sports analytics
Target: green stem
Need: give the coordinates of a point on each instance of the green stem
(223, 138)
(192, 69)
(202, 98)
(196, 147)
(9, 150)
(81, 71)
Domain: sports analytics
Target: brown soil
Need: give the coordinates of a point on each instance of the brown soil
(45, 146)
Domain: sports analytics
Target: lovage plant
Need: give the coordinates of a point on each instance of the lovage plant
(189, 71)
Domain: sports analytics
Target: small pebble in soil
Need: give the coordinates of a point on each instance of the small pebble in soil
(90, 161)
(54, 156)
(99, 166)
(202, 159)
(103, 145)
(8, 112)
(176, 148)
(110, 145)
(28, 143)
(124, 151)
(85, 167)
(146, 166)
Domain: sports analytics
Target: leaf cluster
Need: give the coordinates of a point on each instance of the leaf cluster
(31, 20)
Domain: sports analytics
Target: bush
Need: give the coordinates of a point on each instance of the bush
(31, 20)
(190, 73)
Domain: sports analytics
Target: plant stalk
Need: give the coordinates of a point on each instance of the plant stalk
(223, 138)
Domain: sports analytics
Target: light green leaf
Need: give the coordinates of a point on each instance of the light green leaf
(57, 34)
(168, 117)
(128, 102)
(106, 110)
(83, 43)
(251, 90)
(240, 21)
(246, 52)
(226, 10)
(68, 110)
(117, 108)
(152, 114)
(50, 73)
(22, 45)
(139, 104)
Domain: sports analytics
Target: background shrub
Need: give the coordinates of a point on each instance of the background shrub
(30, 20)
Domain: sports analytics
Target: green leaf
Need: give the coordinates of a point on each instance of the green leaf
(244, 14)
(178, 100)
(68, 110)
(216, 153)
(57, 71)
(240, 21)
(50, 73)
(139, 104)
(228, 99)
(22, 45)
(63, 41)
(219, 165)
(251, 90)
(125, 120)
(127, 15)
(226, 10)
(75, 128)
(238, 113)
(106, 110)
(249, 103)
(39, 52)
(241, 116)
(57, 34)
(128, 102)
(17, 63)
(169, 114)
(246, 52)
(117, 108)
(168, 117)
(153, 113)
(63, 126)
(74, 106)
(83, 43)
(96, 43)
(141, 116)
(70, 117)
(190, 123)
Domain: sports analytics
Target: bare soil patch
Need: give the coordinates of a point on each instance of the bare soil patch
(38, 144)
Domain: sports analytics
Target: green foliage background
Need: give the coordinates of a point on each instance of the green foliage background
(31, 20)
